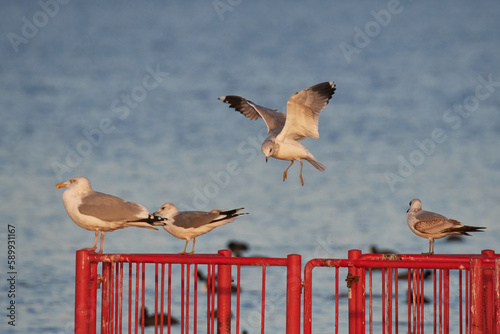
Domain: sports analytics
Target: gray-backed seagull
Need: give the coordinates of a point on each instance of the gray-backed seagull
(95, 211)
(432, 225)
(285, 131)
(188, 225)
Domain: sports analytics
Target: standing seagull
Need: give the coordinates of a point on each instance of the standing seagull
(191, 224)
(95, 211)
(284, 132)
(432, 225)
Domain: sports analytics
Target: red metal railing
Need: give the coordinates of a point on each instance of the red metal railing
(472, 281)
(128, 285)
(368, 293)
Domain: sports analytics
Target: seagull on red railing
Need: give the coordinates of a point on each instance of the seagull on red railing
(432, 225)
(95, 211)
(191, 224)
(285, 131)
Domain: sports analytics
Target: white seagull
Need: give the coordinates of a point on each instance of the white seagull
(432, 225)
(284, 132)
(95, 211)
(191, 224)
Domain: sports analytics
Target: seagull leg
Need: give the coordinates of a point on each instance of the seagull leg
(285, 174)
(185, 246)
(431, 247)
(192, 251)
(301, 179)
(95, 240)
(102, 240)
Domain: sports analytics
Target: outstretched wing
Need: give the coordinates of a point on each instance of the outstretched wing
(303, 110)
(273, 118)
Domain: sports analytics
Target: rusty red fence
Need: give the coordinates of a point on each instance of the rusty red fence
(408, 294)
(366, 293)
(198, 291)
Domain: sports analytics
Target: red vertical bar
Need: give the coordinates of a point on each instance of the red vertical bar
(182, 297)
(105, 302)
(143, 295)
(188, 277)
(156, 299)
(209, 293)
(422, 300)
(92, 317)
(446, 322)
(293, 291)
(211, 287)
(336, 300)
(370, 302)
(162, 298)
(195, 298)
(488, 282)
(497, 295)
(238, 291)
(460, 301)
(384, 306)
(169, 297)
(136, 297)
(440, 300)
(389, 300)
(263, 307)
(409, 300)
(396, 300)
(467, 301)
(476, 300)
(82, 292)
(356, 313)
(308, 298)
(119, 302)
(224, 296)
(434, 299)
(130, 298)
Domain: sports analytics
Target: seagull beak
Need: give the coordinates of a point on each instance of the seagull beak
(408, 210)
(266, 159)
(155, 213)
(61, 185)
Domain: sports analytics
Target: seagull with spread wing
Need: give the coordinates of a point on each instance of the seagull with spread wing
(432, 225)
(285, 131)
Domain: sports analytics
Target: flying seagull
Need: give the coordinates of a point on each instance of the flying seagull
(95, 211)
(432, 225)
(191, 224)
(285, 131)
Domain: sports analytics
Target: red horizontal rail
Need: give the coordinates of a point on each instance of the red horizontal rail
(185, 259)
(386, 264)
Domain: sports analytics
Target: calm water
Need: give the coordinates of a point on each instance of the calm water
(126, 94)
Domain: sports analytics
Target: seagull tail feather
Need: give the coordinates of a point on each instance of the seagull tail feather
(230, 215)
(149, 222)
(316, 164)
(465, 228)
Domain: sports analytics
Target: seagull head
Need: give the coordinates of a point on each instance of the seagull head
(268, 149)
(167, 210)
(415, 205)
(80, 184)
